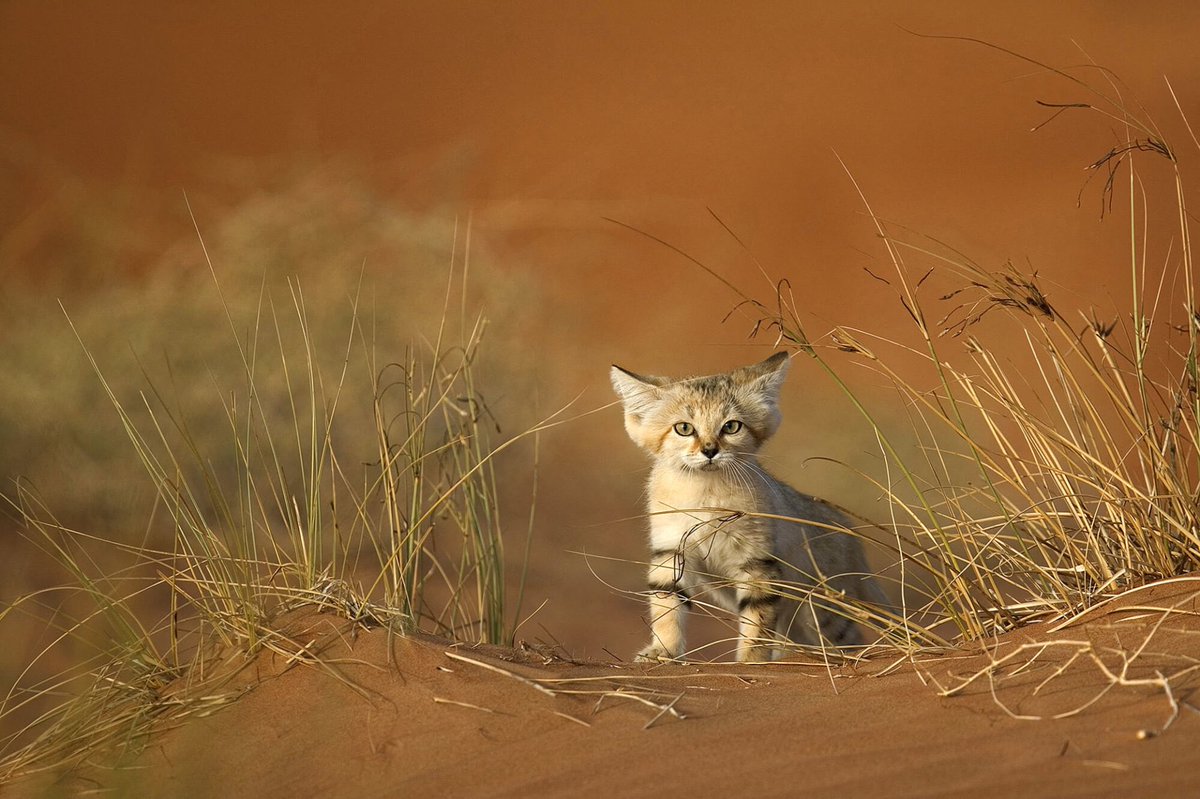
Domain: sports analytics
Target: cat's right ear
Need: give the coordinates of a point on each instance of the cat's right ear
(636, 391)
(639, 395)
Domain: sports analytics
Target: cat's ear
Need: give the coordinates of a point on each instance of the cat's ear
(639, 394)
(766, 376)
(759, 384)
(636, 390)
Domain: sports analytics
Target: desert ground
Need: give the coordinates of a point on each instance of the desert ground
(1094, 707)
(218, 217)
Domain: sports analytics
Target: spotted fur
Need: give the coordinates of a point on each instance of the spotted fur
(704, 434)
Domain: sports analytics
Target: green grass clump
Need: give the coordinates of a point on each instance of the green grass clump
(339, 477)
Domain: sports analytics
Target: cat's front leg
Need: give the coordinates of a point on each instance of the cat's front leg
(756, 621)
(667, 599)
(758, 608)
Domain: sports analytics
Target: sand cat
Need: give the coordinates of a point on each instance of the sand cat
(704, 434)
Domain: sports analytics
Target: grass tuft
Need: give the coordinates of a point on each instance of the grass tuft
(1059, 458)
(407, 535)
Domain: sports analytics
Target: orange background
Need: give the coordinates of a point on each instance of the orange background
(541, 119)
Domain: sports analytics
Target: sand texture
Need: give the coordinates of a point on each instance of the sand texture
(381, 715)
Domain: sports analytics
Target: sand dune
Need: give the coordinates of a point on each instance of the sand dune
(381, 715)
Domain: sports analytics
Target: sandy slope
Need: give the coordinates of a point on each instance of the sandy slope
(407, 717)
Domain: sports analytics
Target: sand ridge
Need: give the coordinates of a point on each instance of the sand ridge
(385, 715)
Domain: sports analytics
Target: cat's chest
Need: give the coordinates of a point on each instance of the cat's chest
(688, 493)
(700, 513)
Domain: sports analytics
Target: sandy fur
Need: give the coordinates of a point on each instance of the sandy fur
(710, 503)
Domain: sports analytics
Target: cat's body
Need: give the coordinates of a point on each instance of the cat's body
(722, 529)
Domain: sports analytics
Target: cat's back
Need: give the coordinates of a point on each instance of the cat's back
(822, 531)
(798, 505)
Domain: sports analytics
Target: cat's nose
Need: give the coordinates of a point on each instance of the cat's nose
(710, 450)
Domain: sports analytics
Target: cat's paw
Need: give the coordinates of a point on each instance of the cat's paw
(758, 653)
(655, 653)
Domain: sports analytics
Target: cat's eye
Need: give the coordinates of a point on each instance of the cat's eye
(684, 428)
(731, 427)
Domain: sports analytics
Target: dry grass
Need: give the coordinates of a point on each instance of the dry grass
(407, 536)
(1060, 451)
(1128, 651)
(604, 688)
(1058, 459)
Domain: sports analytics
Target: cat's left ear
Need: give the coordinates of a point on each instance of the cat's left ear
(767, 376)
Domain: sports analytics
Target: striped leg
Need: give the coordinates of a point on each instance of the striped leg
(758, 607)
(667, 598)
(811, 625)
(839, 630)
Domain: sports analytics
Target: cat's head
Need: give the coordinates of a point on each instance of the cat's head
(703, 423)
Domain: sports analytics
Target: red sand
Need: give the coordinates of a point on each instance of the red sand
(407, 717)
